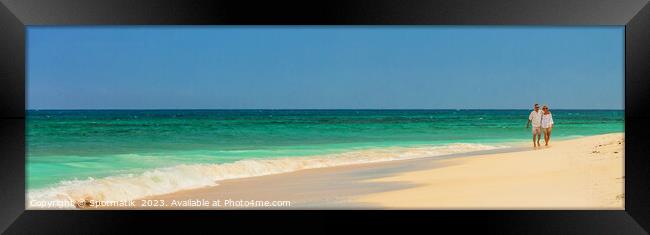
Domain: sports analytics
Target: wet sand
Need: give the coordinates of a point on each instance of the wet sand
(582, 173)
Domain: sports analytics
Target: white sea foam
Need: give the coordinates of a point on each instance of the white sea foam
(171, 179)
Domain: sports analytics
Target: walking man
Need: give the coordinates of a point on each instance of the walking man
(535, 118)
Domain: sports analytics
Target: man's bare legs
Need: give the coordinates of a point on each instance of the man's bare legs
(534, 140)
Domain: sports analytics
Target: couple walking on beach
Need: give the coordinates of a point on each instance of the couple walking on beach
(542, 121)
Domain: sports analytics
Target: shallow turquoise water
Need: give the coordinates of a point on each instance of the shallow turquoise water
(77, 144)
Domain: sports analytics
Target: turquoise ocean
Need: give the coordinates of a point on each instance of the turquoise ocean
(127, 154)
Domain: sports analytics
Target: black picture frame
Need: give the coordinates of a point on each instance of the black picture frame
(15, 16)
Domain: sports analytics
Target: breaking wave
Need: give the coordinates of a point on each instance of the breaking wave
(191, 176)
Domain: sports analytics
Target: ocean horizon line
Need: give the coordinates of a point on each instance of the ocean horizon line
(314, 109)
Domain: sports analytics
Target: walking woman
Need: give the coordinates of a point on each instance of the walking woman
(547, 124)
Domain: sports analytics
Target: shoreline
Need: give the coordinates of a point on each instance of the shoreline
(571, 176)
(161, 181)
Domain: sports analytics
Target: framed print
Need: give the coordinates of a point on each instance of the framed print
(163, 112)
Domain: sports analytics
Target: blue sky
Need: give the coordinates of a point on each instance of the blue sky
(277, 67)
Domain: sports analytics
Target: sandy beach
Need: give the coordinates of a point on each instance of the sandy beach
(581, 173)
(584, 173)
